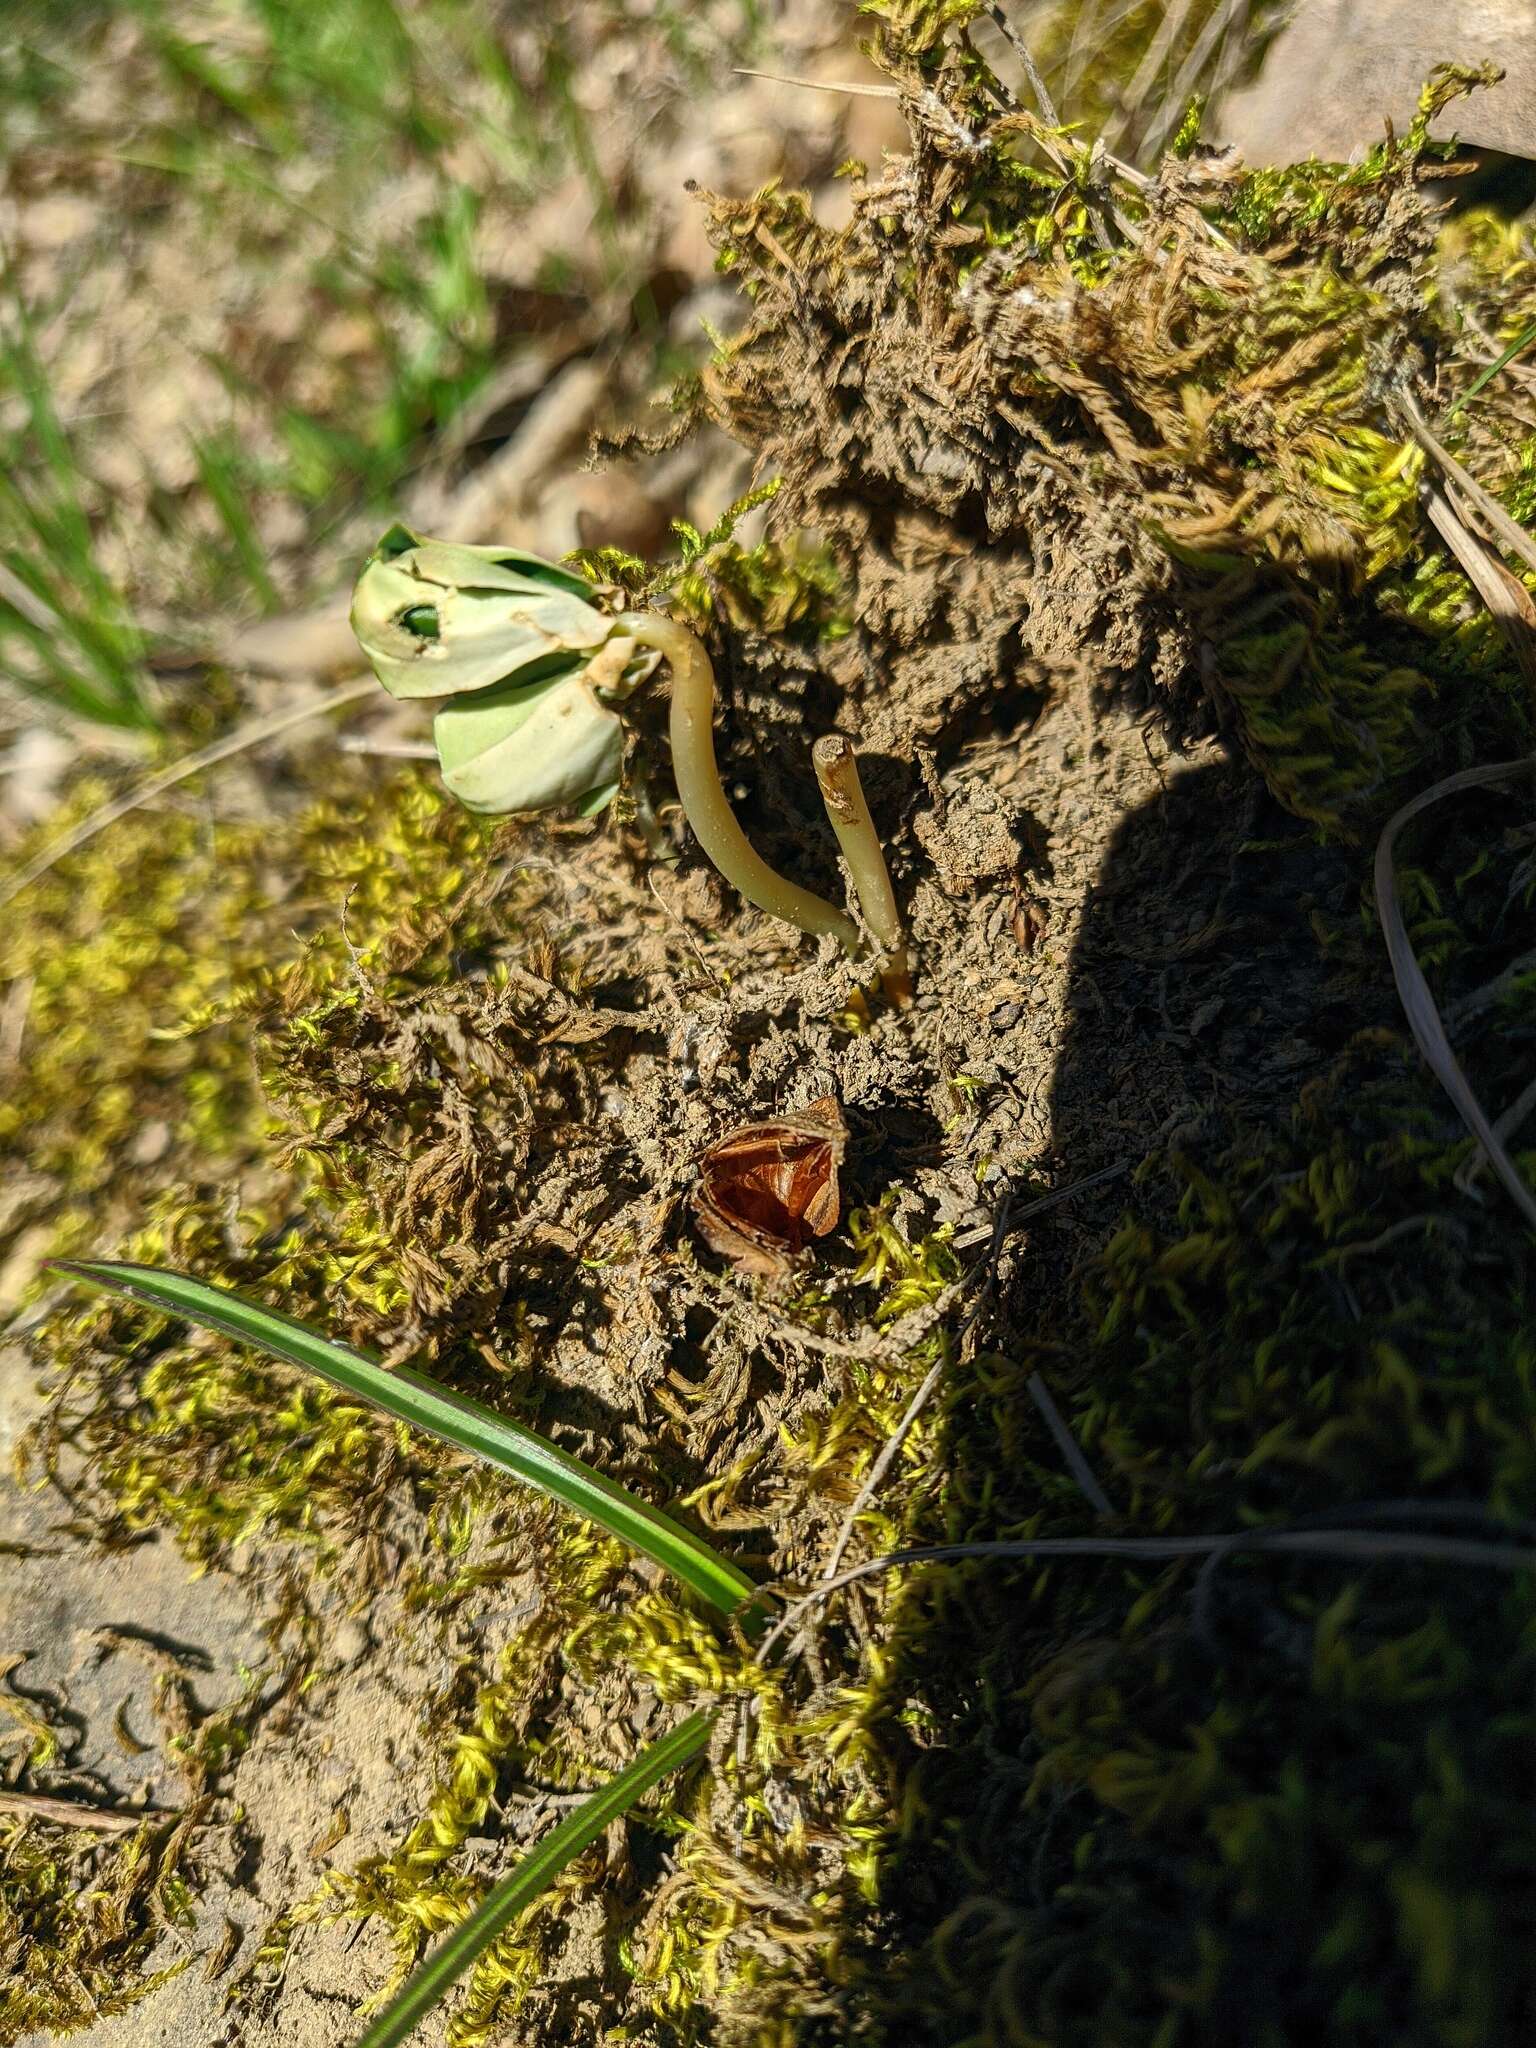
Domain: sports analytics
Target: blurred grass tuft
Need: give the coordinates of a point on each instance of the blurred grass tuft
(260, 257)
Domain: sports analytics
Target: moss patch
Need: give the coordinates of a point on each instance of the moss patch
(1123, 580)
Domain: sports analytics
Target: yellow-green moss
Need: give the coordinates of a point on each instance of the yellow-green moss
(239, 988)
(79, 1920)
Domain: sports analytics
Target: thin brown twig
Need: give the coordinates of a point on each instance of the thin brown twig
(78, 1813)
(1038, 1207)
(888, 1456)
(1039, 1393)
(1069, 1447)
(1022, 51)
(895, 1338)
(1048, 141)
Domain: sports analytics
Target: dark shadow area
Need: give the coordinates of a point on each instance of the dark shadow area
(1303, 1813)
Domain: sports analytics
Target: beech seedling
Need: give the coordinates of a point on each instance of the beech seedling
(529, 675)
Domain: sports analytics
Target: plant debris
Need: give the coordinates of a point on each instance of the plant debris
(765, 1189)
(1098, 531)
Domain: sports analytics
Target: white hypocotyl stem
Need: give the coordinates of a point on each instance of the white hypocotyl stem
(698, 783)
(837, 772)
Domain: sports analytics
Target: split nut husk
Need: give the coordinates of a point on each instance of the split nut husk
(766, 1189)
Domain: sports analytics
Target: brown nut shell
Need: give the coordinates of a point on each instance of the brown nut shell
(766, 1189)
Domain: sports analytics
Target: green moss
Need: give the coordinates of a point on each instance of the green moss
(1010, 1806)
(752, 1930)
(1294, 1816)
(1214, 363)
(158, 974)
(115, 951)
(494, 1734)
(79, 1921)
(83, 1915)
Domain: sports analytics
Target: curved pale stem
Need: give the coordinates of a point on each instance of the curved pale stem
(698, 783)
(837, 771)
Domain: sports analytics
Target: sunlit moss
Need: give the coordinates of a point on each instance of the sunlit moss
(243, 989)
(79, 1921)
(1217, 373)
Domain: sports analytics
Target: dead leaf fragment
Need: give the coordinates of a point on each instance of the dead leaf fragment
(767, 1188)
(336, 1830)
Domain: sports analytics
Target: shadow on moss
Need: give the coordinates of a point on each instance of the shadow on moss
(1308, 1820)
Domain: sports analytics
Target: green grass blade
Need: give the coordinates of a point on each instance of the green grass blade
(221, 467)
(537, 1871)
(412, 1398)
(1521, 340)
(89, 660)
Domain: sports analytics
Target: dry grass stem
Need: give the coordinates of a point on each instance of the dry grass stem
(76, 1813)
(1424, 1018)
(1506, 597)
(1499, 523)
(253, 734)
(889, 1453)
(1355, 1545)
(1069, 1447)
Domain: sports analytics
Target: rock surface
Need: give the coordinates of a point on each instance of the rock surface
(1340, 64)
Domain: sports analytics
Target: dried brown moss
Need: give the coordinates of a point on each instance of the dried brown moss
(1045, 422)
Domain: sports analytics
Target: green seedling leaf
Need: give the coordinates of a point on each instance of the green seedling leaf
(537, 1871)
(498, 614)
(412, 1398)
(527, 746)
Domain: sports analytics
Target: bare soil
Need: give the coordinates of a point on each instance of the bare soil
(1124, 948)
